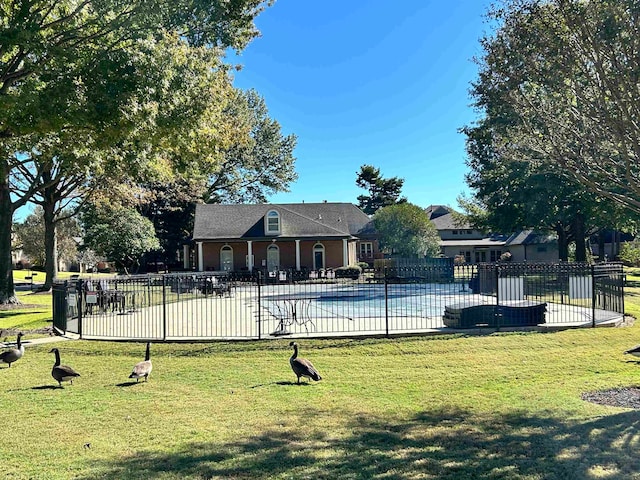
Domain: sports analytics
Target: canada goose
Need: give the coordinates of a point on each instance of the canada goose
(62, 373)
(13, 354)
(143, 369)
(301, 366)
(635, 351)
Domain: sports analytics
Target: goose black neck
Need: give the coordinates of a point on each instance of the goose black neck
(295, 351)
(147, 355)
(19, 341)
(57, 354)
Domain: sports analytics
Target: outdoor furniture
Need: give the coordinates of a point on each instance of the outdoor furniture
(212, 286)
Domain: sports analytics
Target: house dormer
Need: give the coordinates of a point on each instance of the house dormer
(272, 223)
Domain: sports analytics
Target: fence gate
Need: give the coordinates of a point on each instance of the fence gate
(608, 287)
(65, 307)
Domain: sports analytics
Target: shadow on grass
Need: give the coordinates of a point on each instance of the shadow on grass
(47, 387)
(127, 384)
(282, 383)
(13, 313)
(442, 444)
(295, 384)
(632, 284)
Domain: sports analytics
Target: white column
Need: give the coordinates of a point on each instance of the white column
(345, 253)
(250, 255)
(200, 257)
(298, 255)
(185, 254)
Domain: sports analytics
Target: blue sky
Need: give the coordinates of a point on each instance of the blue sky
(372, 82)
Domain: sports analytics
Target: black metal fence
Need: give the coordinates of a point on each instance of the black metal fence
(391, 300)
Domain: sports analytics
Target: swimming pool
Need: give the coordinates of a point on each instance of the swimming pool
(375, 308)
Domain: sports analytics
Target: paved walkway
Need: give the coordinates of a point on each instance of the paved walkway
(29, 342)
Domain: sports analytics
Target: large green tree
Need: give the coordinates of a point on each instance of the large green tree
(382, 192)
(68, 167)
(568, 71)
(259, 161)
(239, 155)
(510, 195)
(405, 229)
(121, 235)
(71, 65)
(31, 234)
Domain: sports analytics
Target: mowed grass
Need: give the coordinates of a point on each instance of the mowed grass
(35, 312)
(502, 406)
(498, 406)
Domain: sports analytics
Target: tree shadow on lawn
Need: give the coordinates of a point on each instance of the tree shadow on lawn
(9, 313)
(450, 444)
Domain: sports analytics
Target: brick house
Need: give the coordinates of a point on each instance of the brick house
(297, 236)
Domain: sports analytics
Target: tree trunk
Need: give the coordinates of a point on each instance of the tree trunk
(50, 244)
(563, 245)
(7, 288)
(579, 236)
(601, 251)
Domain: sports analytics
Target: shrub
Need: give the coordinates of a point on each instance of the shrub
(630, 253)
(363, 266)
(506, 257)
(352, 271)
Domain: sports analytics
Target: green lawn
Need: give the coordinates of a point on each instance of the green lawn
(502, 406)
(36, 312)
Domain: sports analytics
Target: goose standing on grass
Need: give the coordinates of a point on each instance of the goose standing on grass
(635, 351)
(13, 354)
(143, 369)
(301, 366)
(62, 373)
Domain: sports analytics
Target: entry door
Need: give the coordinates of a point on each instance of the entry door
(273, 258)
(318, 256)
(226, 258)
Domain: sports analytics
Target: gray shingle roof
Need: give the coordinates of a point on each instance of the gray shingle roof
(443, 219)
(529, 237)
(298, 220)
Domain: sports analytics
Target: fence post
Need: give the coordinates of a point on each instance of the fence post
(164, 308)
(386, 301)
(496, 313)
(79, 302)
(593, 296)
(259, 307)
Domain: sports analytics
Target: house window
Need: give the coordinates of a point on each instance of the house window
(494, 255)
(481, 256)
(469, 232)
(318, 256)
(272, 223)
(366, 249)
(455, 232)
